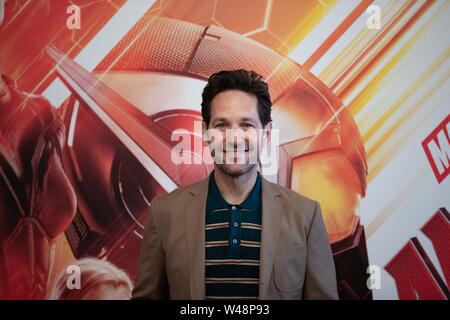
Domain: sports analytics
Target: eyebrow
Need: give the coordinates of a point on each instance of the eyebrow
(226, 120)
(220, 119)
(248, 119)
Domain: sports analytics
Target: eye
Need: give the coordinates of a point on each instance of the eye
(247, 125)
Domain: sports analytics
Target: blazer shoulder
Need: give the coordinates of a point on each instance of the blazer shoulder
(179, 194)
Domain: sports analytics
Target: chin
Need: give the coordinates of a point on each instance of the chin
(236, 170)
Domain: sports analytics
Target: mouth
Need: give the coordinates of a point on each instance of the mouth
(236, 151)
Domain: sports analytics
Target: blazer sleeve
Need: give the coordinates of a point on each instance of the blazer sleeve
(151, 280)
(320, 278)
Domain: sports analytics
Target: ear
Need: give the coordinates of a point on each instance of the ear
(268, 131)
(205, 137)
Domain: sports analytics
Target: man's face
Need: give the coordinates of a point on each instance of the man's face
(237, 132)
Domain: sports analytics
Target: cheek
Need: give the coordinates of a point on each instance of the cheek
(216, 145)
(252, 144)
(254, 140)
(215, 137)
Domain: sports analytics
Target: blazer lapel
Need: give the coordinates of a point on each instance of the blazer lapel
(271, 226)
(195, 232)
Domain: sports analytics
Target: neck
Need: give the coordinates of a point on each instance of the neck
(235, 189)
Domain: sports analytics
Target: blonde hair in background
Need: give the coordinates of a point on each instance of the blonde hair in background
(100, 280)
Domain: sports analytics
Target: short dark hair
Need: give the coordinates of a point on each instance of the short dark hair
(247, 81)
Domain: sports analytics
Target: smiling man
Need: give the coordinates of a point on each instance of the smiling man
(235, 235)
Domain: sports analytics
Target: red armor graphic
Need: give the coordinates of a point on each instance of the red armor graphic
(37, 202)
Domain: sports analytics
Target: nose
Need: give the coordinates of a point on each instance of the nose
(235, 138)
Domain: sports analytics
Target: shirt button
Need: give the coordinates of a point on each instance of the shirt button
(235, 224)
(233, 208)
(234, 241)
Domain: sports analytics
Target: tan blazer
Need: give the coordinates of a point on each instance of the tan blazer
(295, 260)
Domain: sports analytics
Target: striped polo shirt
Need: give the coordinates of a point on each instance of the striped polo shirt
(232, 239)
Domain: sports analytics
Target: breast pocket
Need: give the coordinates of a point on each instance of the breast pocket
(290, 263)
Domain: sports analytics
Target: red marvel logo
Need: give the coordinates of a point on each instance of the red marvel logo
(415, 275)
(437, 149)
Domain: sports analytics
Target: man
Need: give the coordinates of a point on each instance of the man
(235, 235)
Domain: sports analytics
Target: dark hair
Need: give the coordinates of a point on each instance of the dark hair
(247, 81)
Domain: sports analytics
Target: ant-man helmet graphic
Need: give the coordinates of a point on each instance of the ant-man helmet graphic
(120, 117)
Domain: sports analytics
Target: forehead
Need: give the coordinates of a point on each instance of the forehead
(232, 103)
